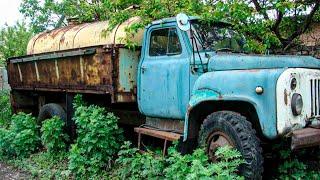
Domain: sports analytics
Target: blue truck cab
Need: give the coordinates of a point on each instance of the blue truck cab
(227, 98)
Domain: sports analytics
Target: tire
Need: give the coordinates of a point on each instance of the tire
(50, 110)
(230, 128)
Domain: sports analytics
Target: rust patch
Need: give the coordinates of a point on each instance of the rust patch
(56, 32)
(285, 97)
(97, 73)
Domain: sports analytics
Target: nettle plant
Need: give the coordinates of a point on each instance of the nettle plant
(52, 135)
(21, 138)
(99, 139)
(134, 165)
(294, 168)
(131, 164)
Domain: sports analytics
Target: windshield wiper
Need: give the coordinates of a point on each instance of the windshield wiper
(227, 50)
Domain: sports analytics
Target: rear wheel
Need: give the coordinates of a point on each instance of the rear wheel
(226, 128)
(50, 110)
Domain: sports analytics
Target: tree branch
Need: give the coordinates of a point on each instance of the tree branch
(260, 9)
(306, 24)
(275, 27)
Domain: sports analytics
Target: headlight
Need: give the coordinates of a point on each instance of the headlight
(296, 104)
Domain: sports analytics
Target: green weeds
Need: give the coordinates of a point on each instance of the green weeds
(293, 167)
(52, 136)
(5, 113)
(99, 151)
(21, 138)
(131, 164)
(99, 139)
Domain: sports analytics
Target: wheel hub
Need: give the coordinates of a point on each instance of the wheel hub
(217, 139)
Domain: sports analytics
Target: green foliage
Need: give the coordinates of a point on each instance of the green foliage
(252, 18)
(21, 139)
(42, 14)
(6, 138)
(5, 113)
(293, 168)
(13, 41)
(197, 166)
(44, 165)
(78, 101)
(99, 138)
(52, 135)
(133, 165)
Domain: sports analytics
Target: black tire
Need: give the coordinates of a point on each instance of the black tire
(50, 110)
(243, 138)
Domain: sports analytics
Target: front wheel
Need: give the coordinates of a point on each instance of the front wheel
(226, 128)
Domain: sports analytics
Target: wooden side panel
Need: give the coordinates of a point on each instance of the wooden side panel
(91, 70)
(74, 73)
(47, 72)
(69, 71)
(13, 74)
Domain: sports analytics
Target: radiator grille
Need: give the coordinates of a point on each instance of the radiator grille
(315, 96)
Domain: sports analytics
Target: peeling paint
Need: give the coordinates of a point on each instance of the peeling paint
(203, 95)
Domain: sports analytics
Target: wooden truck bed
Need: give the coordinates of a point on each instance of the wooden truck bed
(98, 70)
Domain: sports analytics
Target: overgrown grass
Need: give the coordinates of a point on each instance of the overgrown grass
(5, 109)
(44, 165)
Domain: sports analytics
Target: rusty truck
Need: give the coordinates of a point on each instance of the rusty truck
(186, 80)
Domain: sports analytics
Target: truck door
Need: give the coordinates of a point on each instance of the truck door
(164, 74)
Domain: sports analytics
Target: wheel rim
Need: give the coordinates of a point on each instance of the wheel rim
(217, 139)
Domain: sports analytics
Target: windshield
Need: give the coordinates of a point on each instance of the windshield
(216, 37)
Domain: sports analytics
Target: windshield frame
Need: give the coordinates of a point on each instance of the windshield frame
(218, 24)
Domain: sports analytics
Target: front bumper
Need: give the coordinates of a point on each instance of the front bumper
(306, 137)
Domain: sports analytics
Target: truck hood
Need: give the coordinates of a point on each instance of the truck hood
(221, 62)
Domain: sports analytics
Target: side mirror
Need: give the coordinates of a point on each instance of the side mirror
(183, 22)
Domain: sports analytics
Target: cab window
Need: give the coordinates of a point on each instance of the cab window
(164, 42)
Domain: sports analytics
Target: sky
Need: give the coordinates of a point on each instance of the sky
(9, 12)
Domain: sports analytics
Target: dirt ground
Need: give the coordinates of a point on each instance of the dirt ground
(10, 173)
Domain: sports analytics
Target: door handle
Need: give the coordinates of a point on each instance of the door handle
(143, 69)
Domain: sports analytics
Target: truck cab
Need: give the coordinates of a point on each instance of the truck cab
(188, 80)
(198, 74)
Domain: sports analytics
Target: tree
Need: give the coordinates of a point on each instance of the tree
(42, 14)
(48, 14)
(254, 18)
(268, 24)
(13, 41)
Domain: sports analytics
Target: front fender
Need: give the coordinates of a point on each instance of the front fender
(240, 85)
